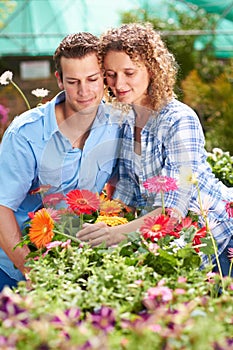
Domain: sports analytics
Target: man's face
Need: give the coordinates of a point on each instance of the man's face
(82, 82)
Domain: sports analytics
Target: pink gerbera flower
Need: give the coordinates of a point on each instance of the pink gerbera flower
(160, 184)
(229, 209)
(53, 199)
(230, 254)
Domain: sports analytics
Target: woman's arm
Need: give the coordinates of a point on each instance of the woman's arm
(98, 233)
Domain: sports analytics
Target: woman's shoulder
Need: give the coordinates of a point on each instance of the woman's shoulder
(176, 110)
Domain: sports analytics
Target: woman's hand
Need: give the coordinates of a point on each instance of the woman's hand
(95, 234)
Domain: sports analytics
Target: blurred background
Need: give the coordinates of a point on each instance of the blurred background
(199, 33)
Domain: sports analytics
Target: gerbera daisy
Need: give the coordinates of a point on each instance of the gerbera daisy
(229, 209)
(160, 184)
(42, 189)
(110, 207)
(158, 227)
(230, 254)
(112, 220)
(197, 237)
(53, 199)
(41, 229)
(83, 201)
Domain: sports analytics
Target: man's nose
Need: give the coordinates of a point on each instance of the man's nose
(83, 89)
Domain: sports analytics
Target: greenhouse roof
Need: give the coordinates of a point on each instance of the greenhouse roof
(35, 27)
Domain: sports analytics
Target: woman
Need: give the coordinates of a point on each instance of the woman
(163, 137)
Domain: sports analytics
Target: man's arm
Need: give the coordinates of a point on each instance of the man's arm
(10, 235)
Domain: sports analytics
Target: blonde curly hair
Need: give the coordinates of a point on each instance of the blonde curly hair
(143, 44)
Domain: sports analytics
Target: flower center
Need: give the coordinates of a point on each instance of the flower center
(161, 180)
(156, 228)
(81, 201)
(45, 229)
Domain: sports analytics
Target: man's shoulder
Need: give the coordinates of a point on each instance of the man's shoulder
(33, 118)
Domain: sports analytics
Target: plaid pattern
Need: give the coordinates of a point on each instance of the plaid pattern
(173, 141)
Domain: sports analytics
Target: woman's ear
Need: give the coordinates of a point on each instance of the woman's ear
(59, 81)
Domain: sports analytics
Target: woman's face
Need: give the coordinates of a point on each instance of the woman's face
(128, 80)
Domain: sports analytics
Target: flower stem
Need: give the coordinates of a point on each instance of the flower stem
(230, 269)
(21, 93)
(163, 204)
(210, 233)
(81, 217)
(67, 236)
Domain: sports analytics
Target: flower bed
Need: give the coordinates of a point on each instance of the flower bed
(147, 291)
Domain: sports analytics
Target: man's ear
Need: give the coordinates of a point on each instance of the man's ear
(59, 81)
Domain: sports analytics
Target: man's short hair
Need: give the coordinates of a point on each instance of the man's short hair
(75, 45)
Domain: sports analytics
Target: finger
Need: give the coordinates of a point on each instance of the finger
(90, 228)
(101, 232)
(99, 240)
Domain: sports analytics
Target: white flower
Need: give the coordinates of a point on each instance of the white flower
(6, 78)
(187, 177)
(40, 92)
(204, 208)
(218, 151)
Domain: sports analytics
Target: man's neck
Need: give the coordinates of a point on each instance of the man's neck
(75, 125)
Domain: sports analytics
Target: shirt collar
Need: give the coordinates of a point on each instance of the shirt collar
(50, 121)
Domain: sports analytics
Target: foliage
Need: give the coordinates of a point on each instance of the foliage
(97, 298)
(222, 165)
(213, 103)
(182, 46)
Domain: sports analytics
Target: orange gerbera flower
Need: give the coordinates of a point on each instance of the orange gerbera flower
(110, 207)
(83, 201)
(41, 230)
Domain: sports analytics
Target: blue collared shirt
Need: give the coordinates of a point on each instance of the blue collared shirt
(34, 153)
(171, 141)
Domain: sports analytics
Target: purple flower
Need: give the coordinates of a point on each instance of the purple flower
(11, 313)
(69, 317)
(103, 318)
(86, 346)
(3, 114)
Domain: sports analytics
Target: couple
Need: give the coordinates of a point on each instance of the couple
(74, 141)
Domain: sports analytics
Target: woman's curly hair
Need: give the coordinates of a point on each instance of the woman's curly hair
(143, 44)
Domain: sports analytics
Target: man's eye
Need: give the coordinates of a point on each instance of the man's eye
(110, 75)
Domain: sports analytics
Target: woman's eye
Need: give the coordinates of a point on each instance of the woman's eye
(128, 74)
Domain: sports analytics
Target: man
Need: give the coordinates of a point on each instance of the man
(70, 142)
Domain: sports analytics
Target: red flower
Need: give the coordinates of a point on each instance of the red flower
(186, 223)
(160, 184)
(41, 189)
(229, 209)
(197, 237)
(83, 201)
(158, 227)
